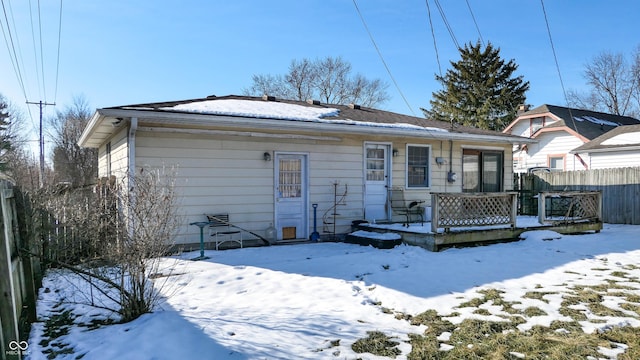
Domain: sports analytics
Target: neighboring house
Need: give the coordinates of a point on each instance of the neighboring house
(267, 161)
(619, 147)
(559, 130)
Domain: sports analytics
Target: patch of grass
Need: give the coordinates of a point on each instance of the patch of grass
(572, 272)
(613, 284)
(377, 343)
(532, 311)
(625, 335)
(538, 295)
(570, 326)
(476, 339)
(600, 269)
(495, 296)
(622, 274)
(631, 307)
(627, 296)
(434, 322)
(484, 312)
(631, 267)
(574, 314)
(475, 302)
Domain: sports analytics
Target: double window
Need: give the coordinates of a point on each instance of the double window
(418, 166)
(482, 170)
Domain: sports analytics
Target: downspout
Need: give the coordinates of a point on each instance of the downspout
(451, 176)
(131, 140)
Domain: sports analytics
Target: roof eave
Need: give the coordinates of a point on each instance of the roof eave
(604, 150)
(179, 118)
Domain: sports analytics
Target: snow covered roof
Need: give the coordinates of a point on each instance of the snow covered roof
(263, 113)
(619, 139)
(279, 110)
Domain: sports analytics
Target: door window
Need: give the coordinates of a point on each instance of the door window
(375, 164)
(290, 176)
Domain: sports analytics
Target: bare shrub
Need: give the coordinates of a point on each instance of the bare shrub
(115, 239)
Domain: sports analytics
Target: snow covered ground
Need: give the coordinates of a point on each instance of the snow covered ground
(313, 301)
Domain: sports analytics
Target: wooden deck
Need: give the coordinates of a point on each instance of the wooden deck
(417, 235)
(480, 218)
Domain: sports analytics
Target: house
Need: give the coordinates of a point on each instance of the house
(619, 147)
(559, 130)
(266, 161)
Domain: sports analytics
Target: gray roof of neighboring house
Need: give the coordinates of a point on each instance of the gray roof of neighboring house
(358, 114)
(589, 124)
(596, 145)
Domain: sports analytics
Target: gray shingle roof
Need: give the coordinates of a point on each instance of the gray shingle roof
(589, 124)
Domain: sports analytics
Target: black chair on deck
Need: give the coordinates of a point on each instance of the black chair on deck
(407, 208)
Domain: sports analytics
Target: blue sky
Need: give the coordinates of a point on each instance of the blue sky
(120, 52)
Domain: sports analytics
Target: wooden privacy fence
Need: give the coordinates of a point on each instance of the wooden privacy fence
(620, 188)
(19, 273)
(451, 210)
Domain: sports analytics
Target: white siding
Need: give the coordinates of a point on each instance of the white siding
(553, 144)
(616, 159)
(119, 152)
(227, 174)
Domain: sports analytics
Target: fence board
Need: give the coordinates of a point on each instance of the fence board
(18, 281)
(620, 189)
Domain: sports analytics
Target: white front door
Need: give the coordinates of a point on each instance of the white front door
(291, 196)
(376, 162)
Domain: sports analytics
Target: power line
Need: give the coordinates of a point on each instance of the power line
(555, 58)
(446, 23)
(382, 58)
(433, 35)
(12, 51)
(55, 94)
(35, 49)
(44, 88)
(475, 22)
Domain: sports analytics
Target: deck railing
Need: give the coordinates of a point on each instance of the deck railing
(569, 206)
(451, 210)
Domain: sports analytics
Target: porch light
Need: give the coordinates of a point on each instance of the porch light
(266, 156)
(395, 152)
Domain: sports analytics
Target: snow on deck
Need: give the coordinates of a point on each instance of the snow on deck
(425, 228)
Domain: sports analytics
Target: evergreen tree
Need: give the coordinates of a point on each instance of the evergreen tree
(479, 90)
(5, 137)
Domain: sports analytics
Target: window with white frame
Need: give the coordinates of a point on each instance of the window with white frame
(418, 165)
(556, 162)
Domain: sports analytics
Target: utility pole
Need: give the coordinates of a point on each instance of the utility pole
(41, 140)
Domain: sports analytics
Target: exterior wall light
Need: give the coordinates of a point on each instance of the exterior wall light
(266, 156)
(395, 152)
